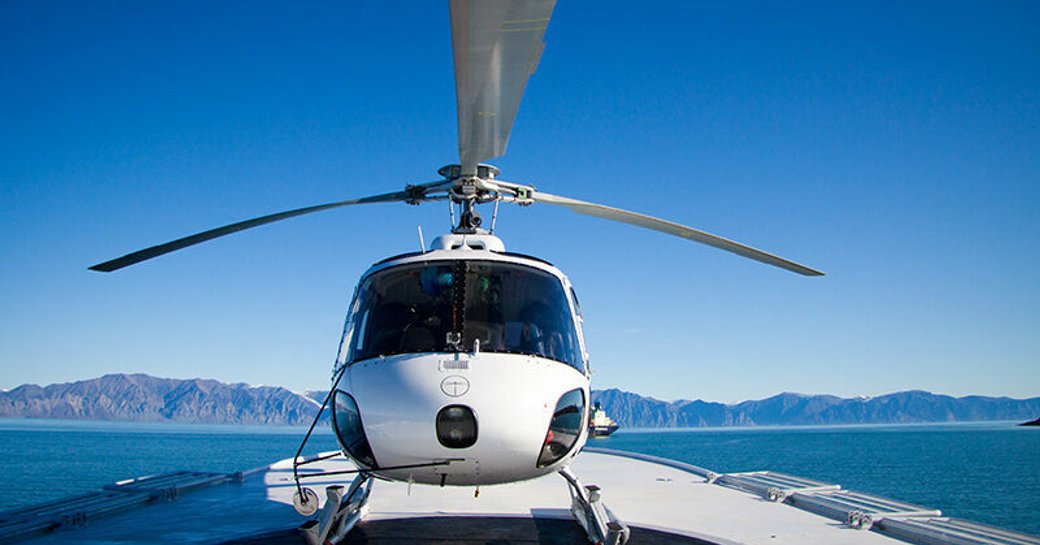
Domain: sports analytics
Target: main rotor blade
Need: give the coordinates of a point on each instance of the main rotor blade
(664, 226)
(162, 249)
(497, 45)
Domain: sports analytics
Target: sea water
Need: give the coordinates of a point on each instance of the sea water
(986, 472)
(48, 459)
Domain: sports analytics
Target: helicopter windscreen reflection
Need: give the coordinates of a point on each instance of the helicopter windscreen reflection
(449, 306)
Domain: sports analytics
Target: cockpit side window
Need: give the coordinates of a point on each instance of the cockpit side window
(577, 305)
(579, 319)
(348, 332)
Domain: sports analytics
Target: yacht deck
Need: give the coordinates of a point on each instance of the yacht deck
(662, 501)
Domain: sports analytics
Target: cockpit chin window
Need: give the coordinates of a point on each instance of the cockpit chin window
(454, 306)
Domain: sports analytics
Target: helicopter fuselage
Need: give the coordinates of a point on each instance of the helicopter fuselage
(462, 365)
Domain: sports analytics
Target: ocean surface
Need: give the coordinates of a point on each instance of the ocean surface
(986, 472)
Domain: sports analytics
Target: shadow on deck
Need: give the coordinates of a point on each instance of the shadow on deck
(468, 531)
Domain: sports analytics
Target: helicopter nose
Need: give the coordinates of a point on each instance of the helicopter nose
(415, 411)
(456, 426)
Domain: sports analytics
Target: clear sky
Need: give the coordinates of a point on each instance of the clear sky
(895, 146)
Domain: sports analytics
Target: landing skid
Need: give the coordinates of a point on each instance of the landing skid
(341, 511)
(599, 523)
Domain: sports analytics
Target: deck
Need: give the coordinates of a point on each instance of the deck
(662, 501)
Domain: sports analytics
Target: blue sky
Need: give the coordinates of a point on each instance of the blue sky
(894, 146)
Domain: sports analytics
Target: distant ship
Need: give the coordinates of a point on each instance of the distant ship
(601, 425)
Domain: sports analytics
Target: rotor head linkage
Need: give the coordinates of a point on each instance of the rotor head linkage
(469, 190)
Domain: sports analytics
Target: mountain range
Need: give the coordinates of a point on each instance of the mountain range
(789, 409)
(143, 398)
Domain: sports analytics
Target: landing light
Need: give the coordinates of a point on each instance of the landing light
(456, 426)
(346, 419)
(564, 428)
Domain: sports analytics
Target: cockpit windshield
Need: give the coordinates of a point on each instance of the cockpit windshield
(457, 306)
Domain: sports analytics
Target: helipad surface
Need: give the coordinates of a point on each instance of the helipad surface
(671, 499)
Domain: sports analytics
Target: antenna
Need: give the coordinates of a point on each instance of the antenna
(422, 243)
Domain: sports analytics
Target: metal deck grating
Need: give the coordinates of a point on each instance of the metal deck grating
(169, 485)
(856, 508)
(17, 530)
(934, 531)
(774, 486)
(77, 508)
(25, 522)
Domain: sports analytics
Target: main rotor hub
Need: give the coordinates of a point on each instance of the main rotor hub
(468, 190)
(454, 172)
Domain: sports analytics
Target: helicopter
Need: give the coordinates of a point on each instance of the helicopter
(436, 340)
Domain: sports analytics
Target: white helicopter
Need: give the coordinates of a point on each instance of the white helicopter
(436, 341)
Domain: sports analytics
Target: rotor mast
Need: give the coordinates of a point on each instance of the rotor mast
(496, 47)
(467, 191)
